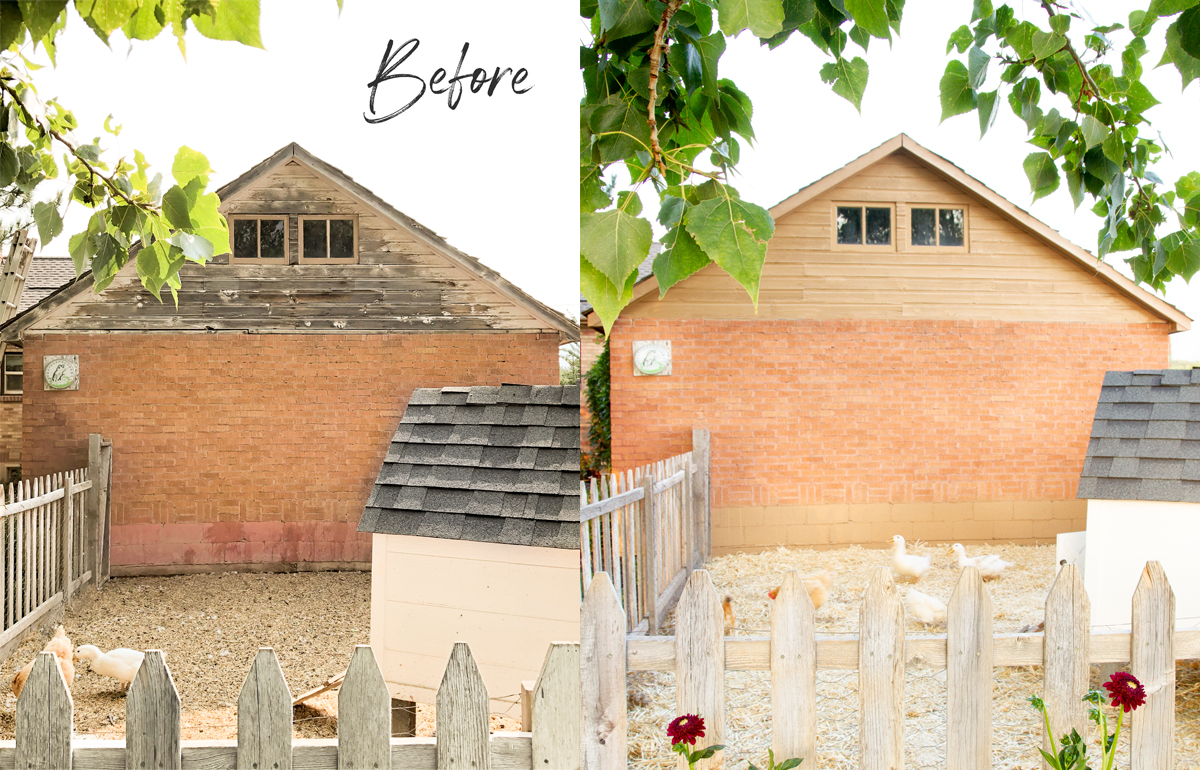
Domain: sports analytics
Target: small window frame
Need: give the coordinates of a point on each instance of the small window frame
(864, 205)
(938, 249)
(5, 373)
(287, 235)
(352, 218)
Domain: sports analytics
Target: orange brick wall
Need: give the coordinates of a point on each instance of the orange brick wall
(810, 414)
(250, 449)
(10, 432)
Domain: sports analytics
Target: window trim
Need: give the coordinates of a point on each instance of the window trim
(938, 249)
(4, 375)
(287, 246)
(862, 246)
(352, 260)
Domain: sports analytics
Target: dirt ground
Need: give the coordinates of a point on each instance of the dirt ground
(210, 627)
(1018, 598)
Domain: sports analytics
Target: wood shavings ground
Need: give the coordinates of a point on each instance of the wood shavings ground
(1018, 598)
(211, 627)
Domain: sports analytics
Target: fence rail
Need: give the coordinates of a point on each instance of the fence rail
(648, 528)
(699, 655)
(264, 708)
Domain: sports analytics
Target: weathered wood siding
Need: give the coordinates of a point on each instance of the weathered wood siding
(1006, 275)
(400, 284)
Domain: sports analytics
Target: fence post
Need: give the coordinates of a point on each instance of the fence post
(969, 681)
(1152, 661)
(92, 513)
(462, 714)
(264, 716)
(1065, 663)
(152, 717)
(700, 661)
(793, 673)
(881, 675)
(602, 677)
(556, 709)
(364, 714)
(650, 568)
(44, 717)
(701, 456)
(67, 534)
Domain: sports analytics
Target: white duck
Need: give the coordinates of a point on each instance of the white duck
(904, 564)
(925, 609)
(121, 664)
(989, 566)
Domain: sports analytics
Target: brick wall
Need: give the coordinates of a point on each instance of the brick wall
(250, 449)
(591, 345)
(10, 432)
(834, 432)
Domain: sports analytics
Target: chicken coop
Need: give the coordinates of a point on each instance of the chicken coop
(475, 536)
(1141, 481)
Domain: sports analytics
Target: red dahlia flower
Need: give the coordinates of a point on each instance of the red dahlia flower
(686, 729)
(1125, 691)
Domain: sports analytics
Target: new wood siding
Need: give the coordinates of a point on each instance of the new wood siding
(401, 283)
(1007, 274)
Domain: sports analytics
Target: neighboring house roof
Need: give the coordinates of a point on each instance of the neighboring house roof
(1009, 210)
(490, 464)
(46, 275)
(566, 327)
(1145, 440)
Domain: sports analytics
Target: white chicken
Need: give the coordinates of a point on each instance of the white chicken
(925, 609)
(905, 564)
(121, 663)
(989, 566)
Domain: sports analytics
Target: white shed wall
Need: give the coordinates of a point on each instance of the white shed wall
(1122, 535)
(508, 602)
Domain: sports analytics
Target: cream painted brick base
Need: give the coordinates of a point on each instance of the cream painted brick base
(830, 526)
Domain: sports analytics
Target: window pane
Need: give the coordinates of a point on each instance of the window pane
(271, 231)
(341, 238)
(950, 227)
(923, 231)
(314, 239)
(12, 383)
(879, 227)
(849, 224)
(245, 238)
(13, 362)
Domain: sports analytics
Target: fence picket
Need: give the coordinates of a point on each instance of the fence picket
(881, 675)
(152, 717)
(462, 714)
(651, 555)
(556, 709)
(44, 717)
(1065, 656)
(264, 714)
(364, 714)
(969, 681)
(700, 661)
(602, 672)
(1152, 653)
(793, 673)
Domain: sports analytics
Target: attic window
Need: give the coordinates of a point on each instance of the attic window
(862, 225)
(259, 240)
(13, 375)
(328, 239)
(938, 227)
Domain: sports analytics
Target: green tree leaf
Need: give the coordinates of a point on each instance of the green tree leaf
(681, 257)
(49, 221)
(603, 296)
(1042, 173)
(960, 39)
(623, 18)
(870, 15)
(175, 207)
(763, 18)
(10, 165)
(190, 165)
(977, 64)
(734, 234)
(144, 25)
(1188, 65)
(1114, 148)
(956, 94)
(614, 242)
(235, 20)
(1184, 259)
(106, 16)
(40, 15)
(710, 49)
(1046, 44)
(1189, 31)
(1094, 132)
(621, 130)
(848, 78)
(986, 104)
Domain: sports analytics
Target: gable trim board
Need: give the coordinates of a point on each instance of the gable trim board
(947, 170)
(551, 320)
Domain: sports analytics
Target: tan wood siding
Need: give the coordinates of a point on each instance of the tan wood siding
(1008, 274)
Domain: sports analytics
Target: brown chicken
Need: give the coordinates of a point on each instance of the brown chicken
(818, 585)
(63, 651)
(730, 618)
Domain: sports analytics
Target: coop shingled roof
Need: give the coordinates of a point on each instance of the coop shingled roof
(1145, 439)
(493, 464)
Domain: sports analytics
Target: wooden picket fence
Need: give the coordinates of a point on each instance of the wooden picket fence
(699, 655)
(648, 528)
(44, 736)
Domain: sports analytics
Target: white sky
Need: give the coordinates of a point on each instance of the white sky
(804, 131)
(496, 177)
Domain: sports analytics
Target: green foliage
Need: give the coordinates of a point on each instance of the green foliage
(134, 215)
(596, 382)
(687, 151)
(568, 364)
(1106, 148)
(787, 764)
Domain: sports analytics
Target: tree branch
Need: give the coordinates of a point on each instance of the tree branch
(656, 54)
